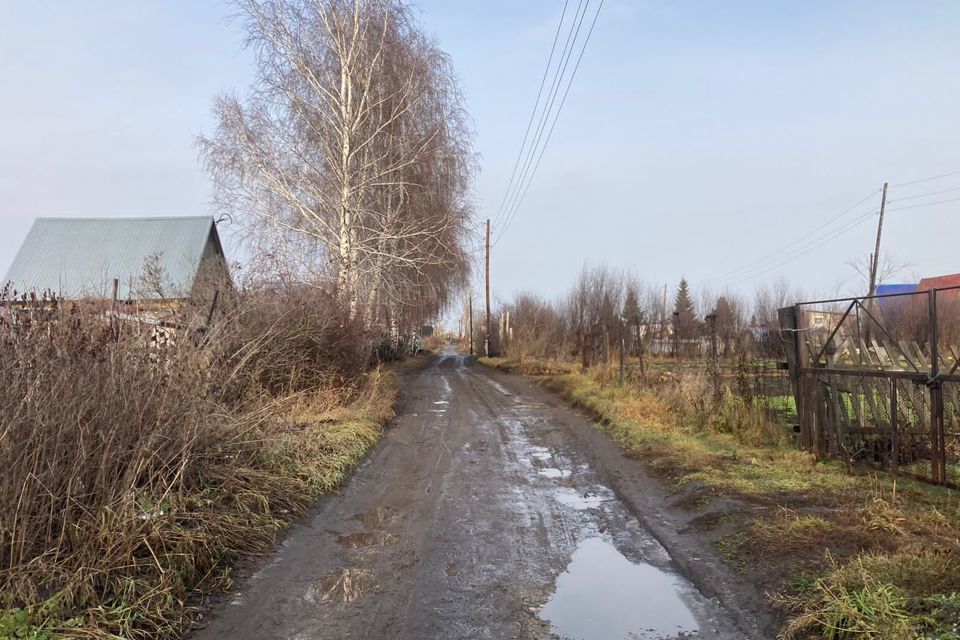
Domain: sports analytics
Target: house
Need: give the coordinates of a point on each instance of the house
(153, 262)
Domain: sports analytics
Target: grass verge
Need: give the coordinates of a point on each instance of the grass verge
(845, 553)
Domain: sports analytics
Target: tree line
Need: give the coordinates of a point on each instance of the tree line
(606, 304)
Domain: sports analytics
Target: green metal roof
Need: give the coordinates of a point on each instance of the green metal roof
(80, 257)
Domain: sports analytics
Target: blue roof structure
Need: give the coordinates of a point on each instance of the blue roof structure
(892, 301)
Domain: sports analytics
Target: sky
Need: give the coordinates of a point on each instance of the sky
(719, 142)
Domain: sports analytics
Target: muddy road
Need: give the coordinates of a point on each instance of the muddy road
(490, 510)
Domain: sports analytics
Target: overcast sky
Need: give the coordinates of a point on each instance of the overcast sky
(699, 138)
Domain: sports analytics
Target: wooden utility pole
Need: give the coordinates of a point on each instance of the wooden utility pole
(470, 319)
(486, 338)
(875, 260)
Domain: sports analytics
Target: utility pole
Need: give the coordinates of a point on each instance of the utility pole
(486, 339)
(470, 319)
(875, 260)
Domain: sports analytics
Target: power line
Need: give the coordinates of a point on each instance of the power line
(808, 248)
(925, 195)
(556, 117)
(928, 179)
(536, 105)
(778, 253)
(558, 76)
(925, 204)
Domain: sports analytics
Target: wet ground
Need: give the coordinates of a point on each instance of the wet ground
(489, 510)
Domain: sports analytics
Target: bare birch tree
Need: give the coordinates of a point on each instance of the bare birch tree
(349, 163)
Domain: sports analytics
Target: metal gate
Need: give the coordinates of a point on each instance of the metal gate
(876, 380)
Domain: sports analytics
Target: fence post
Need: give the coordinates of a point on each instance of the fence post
(894, 427)
(714, 360)
(114, 325)
(937, 451)
(621, 350)
(676, 341)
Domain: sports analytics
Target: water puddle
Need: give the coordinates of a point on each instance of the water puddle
(341, 587)
(554, 473)
(580, 501)
(541, 453)
(604, 596)
(376, 518)
(365, 539)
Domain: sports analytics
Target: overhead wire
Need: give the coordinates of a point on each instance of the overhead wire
(927, 179)
(923, 195)
(536, 106)
(923, 204)
(513, 213)
(779, 252)
(801, 251)
(569, 45)
(553, 124)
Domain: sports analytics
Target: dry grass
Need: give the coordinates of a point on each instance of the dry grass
(134, 476)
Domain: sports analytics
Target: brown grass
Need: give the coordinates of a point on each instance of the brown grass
(134, 476)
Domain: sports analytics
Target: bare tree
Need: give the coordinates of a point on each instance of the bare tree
(349, 163)
(888, 267)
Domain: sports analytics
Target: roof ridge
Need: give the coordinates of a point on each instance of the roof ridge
(98, 218)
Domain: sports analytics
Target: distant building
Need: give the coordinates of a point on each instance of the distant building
(896, 301)
(157, 261)
(827, 320)
(950, 282)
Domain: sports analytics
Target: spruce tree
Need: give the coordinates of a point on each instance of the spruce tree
(683, 306)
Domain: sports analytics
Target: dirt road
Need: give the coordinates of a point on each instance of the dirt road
(490, 510)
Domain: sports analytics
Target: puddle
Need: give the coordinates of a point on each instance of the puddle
(554, 473)
(441, 402)
(604, 596)
(341, 587)
(365, 539)
(375, 518)
(580, 501)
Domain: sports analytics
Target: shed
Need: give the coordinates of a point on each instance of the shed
(152, 259)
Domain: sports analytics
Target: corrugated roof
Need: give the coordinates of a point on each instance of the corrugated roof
(78, 257)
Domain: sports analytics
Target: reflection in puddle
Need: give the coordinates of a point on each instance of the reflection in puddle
(604, 596)
(376, 518)
(574, 499)
(341, 587)
(555, 473)
(364, 539)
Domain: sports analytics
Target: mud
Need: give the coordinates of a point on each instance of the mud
(491, 510)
